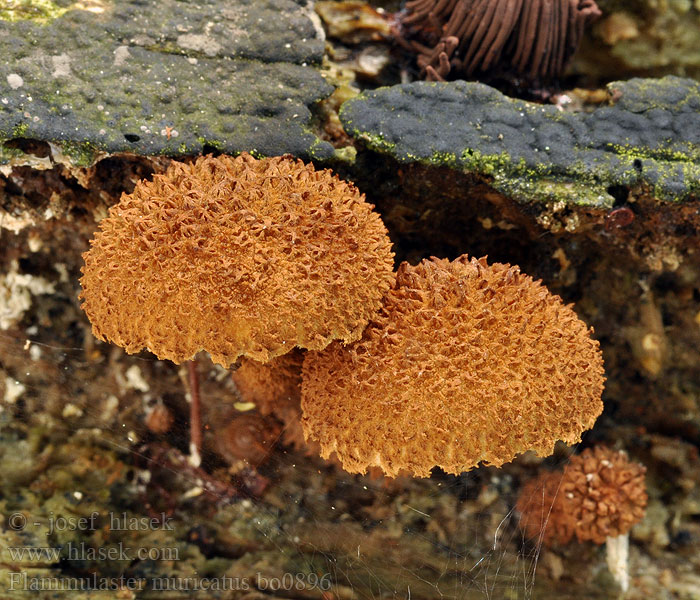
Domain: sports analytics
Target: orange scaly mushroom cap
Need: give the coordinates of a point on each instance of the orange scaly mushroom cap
(600, 494)
(465, 363)
(236, 256)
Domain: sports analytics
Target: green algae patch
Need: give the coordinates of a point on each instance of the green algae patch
(165, 78)
(39, 11)
(650, 137)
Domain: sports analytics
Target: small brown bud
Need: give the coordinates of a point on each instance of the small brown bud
(159, 419)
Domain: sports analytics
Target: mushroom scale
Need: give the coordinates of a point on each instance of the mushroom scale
(236, 256)
(466, 363)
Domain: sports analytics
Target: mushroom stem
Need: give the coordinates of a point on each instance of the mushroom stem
(616, 555)
(195, 458)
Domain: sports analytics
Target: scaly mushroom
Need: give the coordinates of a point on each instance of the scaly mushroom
(599, 496)
(466, 363)
(236, 257)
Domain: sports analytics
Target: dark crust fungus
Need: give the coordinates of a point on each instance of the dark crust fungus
(528, 39)
(236, 257)
(466, 363)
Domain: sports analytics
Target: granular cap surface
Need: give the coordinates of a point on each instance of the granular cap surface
(600, 494)
(466, 363)
(236, 256)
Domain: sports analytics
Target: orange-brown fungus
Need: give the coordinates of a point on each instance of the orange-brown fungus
(465, 363)
(249, 437)
(604, 493)
(236, 257)
(541, 516)
(600, 494)
(275, 389)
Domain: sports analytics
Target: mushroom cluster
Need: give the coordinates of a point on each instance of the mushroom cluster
(466, 363)
(236, 257)
(450, 364)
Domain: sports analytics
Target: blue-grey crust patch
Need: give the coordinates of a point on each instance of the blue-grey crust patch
(649, 137)
(163, 77)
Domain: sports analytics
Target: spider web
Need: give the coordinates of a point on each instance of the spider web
(292, 526)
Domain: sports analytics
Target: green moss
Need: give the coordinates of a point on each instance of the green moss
(20, 130)
(669, 154)
(39, 11)
(229, 93)
(7, 155)
(375, 141)
(548, 154)
(345, 155)
(212, 143)
(81, 154)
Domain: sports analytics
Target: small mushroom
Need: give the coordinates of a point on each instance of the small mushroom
(599, 497)
(159, 419)
(275, 389)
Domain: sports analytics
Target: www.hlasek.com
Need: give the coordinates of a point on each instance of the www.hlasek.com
(85, 552)
(22, 581)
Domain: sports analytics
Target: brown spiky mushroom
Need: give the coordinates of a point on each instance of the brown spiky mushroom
(466, 363)
(599, 496)
(236, 257)
(531, 40)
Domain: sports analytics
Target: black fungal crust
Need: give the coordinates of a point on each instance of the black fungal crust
(649, 136)
(164, 78)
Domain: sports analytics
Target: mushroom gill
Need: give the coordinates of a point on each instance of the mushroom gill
(531, 40)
